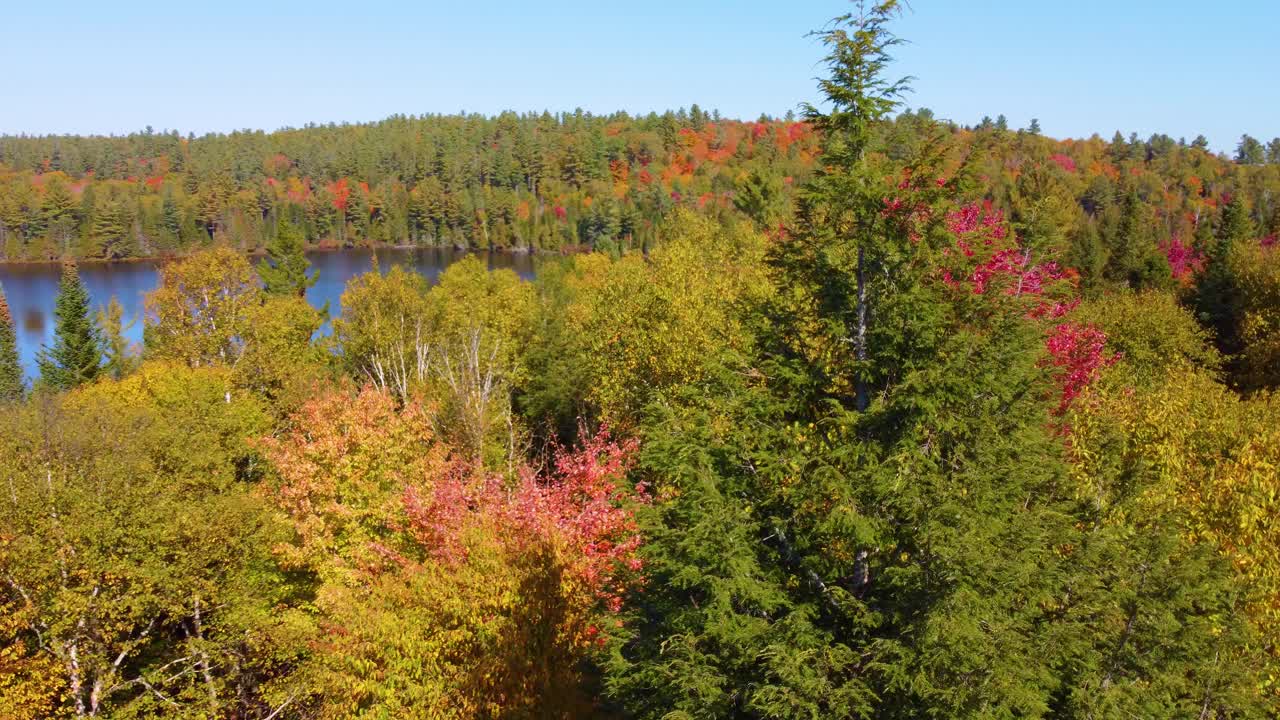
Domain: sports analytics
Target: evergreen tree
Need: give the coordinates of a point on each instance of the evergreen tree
(76, 355)
(1088, 255)
(11, 384)
(59, 214)
(1216, 297)
(758, 197)
(1249, 151)
(1134, 258)
(171, 219)
(112, 231)
(119, 362)
(841, 248)
(284, 269)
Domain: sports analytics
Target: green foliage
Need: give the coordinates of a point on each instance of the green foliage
(1152, 333)
(533, 181)
(133, 551)
(932, 436)
(76, 355)
(280, 362)
(12, 386)
(1255, 271)
(119, 359)
(284, 269)
(758, 197)
(1184, 462)
(199, 313)
(612, 333)
(460, 343)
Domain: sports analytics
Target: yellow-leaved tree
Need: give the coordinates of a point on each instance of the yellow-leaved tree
(1161, 427)
(623, 330)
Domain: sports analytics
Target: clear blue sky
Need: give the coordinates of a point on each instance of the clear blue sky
(1080, 67)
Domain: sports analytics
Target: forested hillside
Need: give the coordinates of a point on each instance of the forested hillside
(861, 415)
(515, 181)
(550, 182)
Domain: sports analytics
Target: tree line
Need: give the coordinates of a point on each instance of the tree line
(520, 182)
(897, 452)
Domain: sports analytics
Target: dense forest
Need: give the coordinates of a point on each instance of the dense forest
(856, 415)
(544, 182)
(521, 182)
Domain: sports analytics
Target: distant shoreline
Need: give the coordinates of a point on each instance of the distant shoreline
(310, 249)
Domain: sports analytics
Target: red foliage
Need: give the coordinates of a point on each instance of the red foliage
(1076, 354)
(278, 164)
(578, 509)
(560, 212)
(1268, 242)
(1064, 162)
(1015, 265)
(341, 192)
(620, 169)
(992, 259)
(974, 217)
(1184, 260)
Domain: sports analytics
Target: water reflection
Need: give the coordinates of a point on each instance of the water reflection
(33, 322)
(31, 289)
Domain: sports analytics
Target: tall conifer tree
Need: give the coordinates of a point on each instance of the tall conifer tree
(871, 515)
(284, 269)
(11, 386)
(76, 354)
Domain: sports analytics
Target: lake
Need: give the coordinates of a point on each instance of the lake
(31, 289)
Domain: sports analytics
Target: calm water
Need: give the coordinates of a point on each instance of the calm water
(31, 289)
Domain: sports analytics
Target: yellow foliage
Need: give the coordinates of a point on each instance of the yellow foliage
(1204, 457)
(645, 325)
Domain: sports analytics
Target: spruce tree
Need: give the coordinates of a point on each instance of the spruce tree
(870, 514)
(1216, 296)
(76, 354)
(11, 386)
(284, 269)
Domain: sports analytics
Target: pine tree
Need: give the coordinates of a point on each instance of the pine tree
(76, 355)
(11, 385)
(1249, 151)
(112, 231)
(284, 269)
(59, 214)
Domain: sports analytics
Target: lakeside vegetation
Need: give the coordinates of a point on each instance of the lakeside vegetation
(895, 419)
